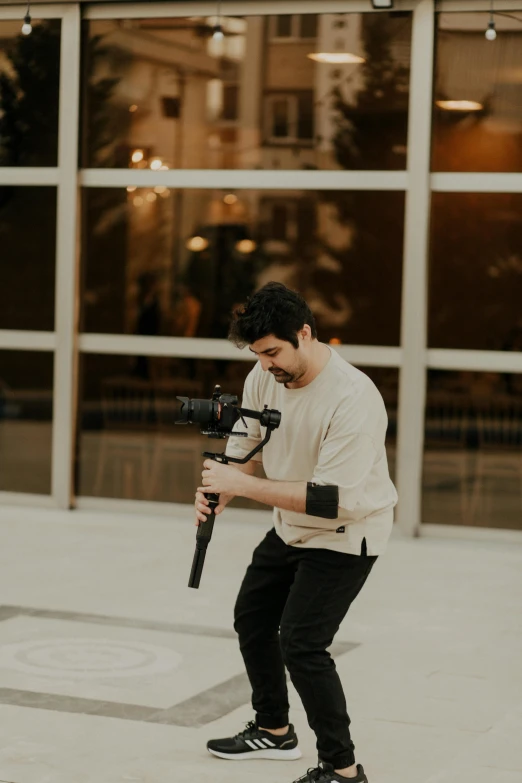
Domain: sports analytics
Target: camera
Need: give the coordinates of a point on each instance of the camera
(219, 415)
(216, 416)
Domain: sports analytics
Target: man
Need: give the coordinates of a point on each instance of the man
(333, 500)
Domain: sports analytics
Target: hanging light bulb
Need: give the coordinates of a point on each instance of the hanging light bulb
(27, 28)
(217, 30)
(491, 33)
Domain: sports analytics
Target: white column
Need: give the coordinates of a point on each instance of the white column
(412, 387)
(66, 261)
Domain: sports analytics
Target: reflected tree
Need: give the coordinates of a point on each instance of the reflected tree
(29, 93)
(370, 131)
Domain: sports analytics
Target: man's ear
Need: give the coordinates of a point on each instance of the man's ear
(306, 332)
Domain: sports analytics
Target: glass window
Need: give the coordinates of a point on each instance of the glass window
(283, 26)
(308, 25)
(475, 277)
(26, 415)
(387, 381)
(294, 26)
(27, 257)
(160, 262)
(279, 117)
(477, 121)
(473, 437)
(129, 445)
(290, 118)
(29, 92)
(163, 92)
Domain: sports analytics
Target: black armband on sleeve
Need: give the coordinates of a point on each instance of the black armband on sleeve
(322, 501)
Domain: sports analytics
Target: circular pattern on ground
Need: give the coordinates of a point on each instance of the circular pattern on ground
(88, 658)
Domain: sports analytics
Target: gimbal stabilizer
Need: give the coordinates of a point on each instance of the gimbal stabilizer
(218, 417)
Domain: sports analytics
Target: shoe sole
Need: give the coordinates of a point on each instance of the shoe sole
(272, 755)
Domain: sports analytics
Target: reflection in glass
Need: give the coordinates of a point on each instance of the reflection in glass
(477, 116)
(29, 92)
(129, 445)
(165, 90)
(475, 282)
(27, 257)
(387, 381)
(176, 262)
(473, 438)
(26, 403)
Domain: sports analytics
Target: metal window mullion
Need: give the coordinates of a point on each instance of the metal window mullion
(160, 10)
(247, 179)
(66, 260)
(212, 348)
(476, 182)
(475, 361)
(28, 176)
(38, 11)
(412, 384)
(21, 340)
(456, 6)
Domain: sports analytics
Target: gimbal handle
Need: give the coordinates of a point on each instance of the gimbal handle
(205, 529)
(204, 532)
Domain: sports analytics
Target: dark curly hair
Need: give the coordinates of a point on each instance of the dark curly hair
(274, 309)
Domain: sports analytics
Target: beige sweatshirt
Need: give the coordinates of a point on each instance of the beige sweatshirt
(332, 431)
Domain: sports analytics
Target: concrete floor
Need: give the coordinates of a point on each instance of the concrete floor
(112, 670)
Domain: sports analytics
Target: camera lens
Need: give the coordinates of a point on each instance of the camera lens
(204, 411)
(198, 411)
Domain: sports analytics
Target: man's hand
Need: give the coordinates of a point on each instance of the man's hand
(221, 479)
(203, 509)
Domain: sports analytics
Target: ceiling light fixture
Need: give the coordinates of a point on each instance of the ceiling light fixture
(336, 58)
(217, 30)
(460, 105)
(197, 244)
(27, 28)
(338, 55)
(491, 32)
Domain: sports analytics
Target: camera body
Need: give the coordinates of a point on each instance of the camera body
(216, 416)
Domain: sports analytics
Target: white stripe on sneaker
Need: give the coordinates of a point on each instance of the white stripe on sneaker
(260, 743)
(251, 744)
(269, 743)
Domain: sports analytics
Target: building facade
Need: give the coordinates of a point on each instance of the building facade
(154, 173)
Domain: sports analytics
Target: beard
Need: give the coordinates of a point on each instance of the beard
(283, 376)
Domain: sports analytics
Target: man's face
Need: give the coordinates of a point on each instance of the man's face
(279, 357)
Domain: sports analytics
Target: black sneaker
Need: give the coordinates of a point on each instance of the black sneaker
(324, 773)
(252, 743)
